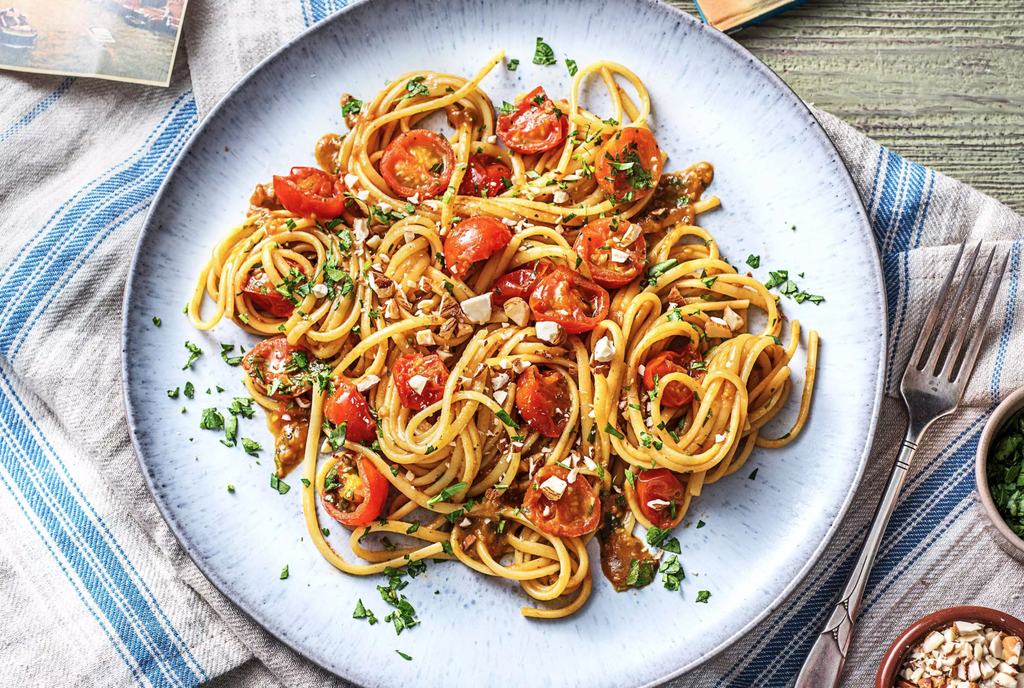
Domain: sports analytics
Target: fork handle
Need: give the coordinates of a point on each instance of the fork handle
(824, 664)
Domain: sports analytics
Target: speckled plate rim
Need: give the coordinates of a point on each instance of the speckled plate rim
(757, 66)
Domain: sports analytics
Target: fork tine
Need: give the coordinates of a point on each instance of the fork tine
(965, 323)
(933, 315)
(932, 364)
(979, 332)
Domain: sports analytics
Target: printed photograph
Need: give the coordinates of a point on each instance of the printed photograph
(124, 40)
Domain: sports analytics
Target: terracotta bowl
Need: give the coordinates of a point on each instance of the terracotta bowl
(893, 660)
(1009, 541)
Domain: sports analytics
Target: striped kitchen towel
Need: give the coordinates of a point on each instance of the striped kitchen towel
(95, 591)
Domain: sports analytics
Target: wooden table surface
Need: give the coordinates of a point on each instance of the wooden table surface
(940, 82)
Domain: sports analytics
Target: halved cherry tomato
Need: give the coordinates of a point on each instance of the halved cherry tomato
(535, 126)
(348, 405)
(279, 369)
(412, 366)
(308, 191)
(262, 295)
(476, 238)
(565, 297)
(483, 177)
(418, 162)
(520, 282)
(354, 497)
(675, 394)
(629, 166)
(659, 484)
(543, 400)
(595, 246)
(576, 512)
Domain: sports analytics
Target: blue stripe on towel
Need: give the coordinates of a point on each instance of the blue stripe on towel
(42, 268)
(38, 109)
(156, 654)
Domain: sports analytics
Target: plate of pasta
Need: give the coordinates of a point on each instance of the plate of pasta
(516, 340)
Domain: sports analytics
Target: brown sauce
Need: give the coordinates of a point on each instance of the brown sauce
(674, 197)
(619, 548)
(326, 152)
(289, 439)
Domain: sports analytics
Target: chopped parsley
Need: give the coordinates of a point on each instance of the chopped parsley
(352, 106)
(543, 54)
(403, 655)
(225, 349)
(415, 87)
(571, 66)
(1005, 470)
(512, 65)
(231, 488)
(754, 261)
(506, 419)
(190, 390)
(701, 524)
(157, 321)
(753, 476)
(173, 393)
(194, 353)
(659, 269)
(641, 573)
(212, 419)
(703, 596)
(659, 537)
(251, 446)
(284, 572)
(672, 573)
(610, 429)
(447, 493)
(362, 612)
(277, 484)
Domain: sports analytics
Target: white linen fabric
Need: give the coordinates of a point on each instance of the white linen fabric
(95, 591)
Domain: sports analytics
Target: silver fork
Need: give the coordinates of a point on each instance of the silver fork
(932, 388)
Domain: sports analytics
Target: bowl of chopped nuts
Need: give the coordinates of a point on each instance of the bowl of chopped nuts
(999, 472)
(959, 647)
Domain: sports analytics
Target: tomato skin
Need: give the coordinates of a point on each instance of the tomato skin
(543, 400)
(634, 145)
(520, 282)
(659, 483)
(533, 127)
(608, 232)
(578, 511)
(374, 493)
(431, 367)
(268, 359)
(348, 405)
(310, 192)
(483, 177)
(407, 161)
(567, 298)
(473, 239)
(675, 394)
(272, 301)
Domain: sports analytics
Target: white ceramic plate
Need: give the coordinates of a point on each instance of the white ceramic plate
(712, 101)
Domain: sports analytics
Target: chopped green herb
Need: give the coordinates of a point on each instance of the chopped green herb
(403, 655)
(277, 484)
(1005, 470)
(231, 488)
(194, 353)
(703, 596)
(225, 349)
(212, 420)
(173, 393)
(609, 429)
(157, 321)
(447, 493)
(641, 573)
(251, 446)
(571, 65)
(672, 573)
(284, 572)
(701, 524)
(512, 65)
(190, 390)
(754, 261)
(325, 531)
(352, 106)
(753, 475)
(543, 54)
(659, 537)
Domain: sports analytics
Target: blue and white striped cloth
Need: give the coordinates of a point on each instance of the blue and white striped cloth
(94, 590)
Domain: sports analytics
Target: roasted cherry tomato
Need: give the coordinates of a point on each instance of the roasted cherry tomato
(348, 405)
(354, 491)
(263, 295)
(565, 297)
(543, 400)
(535, 126)
(413, 369)
(675, 394)
(418, 162)
(308, 191)
(661, 487)
(477, 238)
(279, 369)
(629, 166)
(576, 512)
(483, 177)
(604, 245)
(520, 282)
